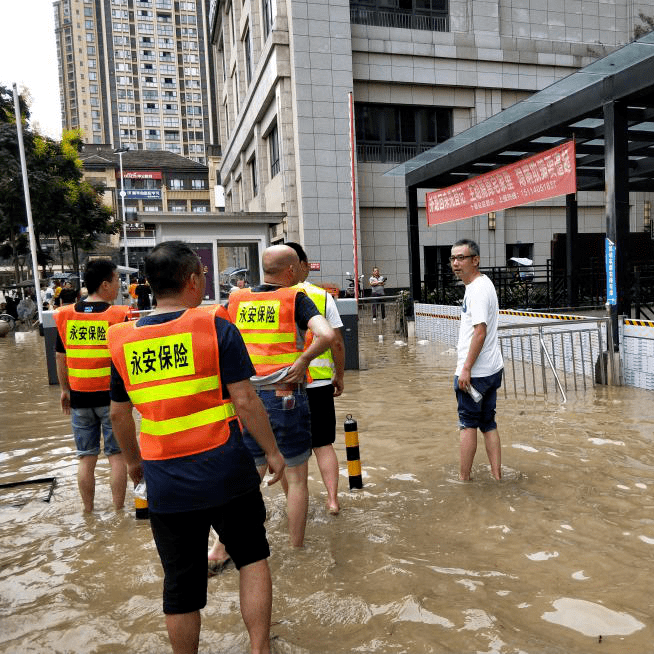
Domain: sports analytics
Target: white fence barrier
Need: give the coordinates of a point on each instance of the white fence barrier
(576, 345)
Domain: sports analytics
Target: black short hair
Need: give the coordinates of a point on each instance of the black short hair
(472, 245)
(98, 271)
(169, 265)
(302, 255)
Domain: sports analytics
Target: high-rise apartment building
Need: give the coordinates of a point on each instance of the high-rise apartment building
(136, 73)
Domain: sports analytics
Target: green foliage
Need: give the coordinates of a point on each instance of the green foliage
(646, 27)
(64, 206)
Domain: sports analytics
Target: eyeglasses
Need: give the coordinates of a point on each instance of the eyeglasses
(461, 257)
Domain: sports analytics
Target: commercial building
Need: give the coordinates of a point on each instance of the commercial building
(136, 73)
(419, 72)
(168, 197)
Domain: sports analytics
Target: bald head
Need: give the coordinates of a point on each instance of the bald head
(280, 265)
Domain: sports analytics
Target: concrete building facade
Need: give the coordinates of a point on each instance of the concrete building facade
(419, 71)
(136, 73)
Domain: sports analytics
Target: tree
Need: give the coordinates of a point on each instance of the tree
(64, 206)
(646, 27)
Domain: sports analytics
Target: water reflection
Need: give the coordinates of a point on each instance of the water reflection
(416, 562)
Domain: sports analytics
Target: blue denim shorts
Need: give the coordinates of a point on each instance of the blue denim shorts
(87, 424)
(291, 426)
(478, 415)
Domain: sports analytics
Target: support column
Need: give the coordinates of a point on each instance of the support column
(415, 285)
(572, 229)
(616, 177)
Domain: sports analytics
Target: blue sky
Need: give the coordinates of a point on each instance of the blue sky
(28, 57)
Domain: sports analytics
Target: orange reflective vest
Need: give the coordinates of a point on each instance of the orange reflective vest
(172, 375)
(84, 336)
(217, 309)
(267, 324)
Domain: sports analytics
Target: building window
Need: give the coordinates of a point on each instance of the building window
(273, 141)
(396, 133)
(247, 46)
(198, 184)
(431, 15)
(253, 176)
(267, 17)
(176, 184)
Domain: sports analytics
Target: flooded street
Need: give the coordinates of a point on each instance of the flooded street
(558, 557)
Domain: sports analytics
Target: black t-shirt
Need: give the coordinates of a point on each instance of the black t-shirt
(81, 399)
(142, 292)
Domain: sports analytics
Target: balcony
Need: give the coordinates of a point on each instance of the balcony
(377, 18)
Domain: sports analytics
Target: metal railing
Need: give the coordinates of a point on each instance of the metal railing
(377, 18)
(392, 317)
(557, 357)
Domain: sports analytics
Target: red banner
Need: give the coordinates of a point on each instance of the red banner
(542, 176)
(137, 174)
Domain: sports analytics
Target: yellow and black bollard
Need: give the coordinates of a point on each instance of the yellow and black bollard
(141, 502)
(352, 450)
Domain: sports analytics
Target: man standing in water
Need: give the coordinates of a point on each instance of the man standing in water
(187, 371)
(83, 370)
(273, 319)
(479, 364)
(326, 372)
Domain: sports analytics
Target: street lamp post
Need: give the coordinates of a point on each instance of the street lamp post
(119, 152)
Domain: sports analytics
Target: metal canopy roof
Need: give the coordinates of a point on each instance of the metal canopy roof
(569, 108)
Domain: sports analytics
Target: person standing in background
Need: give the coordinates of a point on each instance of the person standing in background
(377, 284)
(143, 295)
(479, 360)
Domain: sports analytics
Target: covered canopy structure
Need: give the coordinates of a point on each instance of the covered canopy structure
(606, 107)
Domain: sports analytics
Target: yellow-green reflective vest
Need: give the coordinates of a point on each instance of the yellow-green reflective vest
(322, 367)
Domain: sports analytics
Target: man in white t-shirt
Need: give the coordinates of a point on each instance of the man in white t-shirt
(479, 364)
(327, 373)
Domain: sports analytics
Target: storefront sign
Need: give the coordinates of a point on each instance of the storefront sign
(314, 265)
(143, 193)
(611, 293)
(542, 176)
(136, 174)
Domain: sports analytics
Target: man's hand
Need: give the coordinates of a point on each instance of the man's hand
(464, 380)
(339, 385)
(276, 466)
(135, 472)
(297, 373)
(65, 402)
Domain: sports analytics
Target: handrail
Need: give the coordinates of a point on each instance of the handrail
(547, 355)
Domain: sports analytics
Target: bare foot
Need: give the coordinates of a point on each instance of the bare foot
(333, 509)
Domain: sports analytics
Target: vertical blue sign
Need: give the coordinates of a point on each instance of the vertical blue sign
(611, 292)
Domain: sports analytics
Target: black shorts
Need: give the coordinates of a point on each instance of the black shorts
(323, 415)
(182, 541)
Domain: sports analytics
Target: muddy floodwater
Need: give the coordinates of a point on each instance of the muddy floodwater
(558, 557)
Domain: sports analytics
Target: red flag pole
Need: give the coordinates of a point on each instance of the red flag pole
(354, 201)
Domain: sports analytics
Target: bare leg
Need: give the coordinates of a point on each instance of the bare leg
(297, 502)
(494, 452)
(328, 465)
(118, 480)
(86, 480)
(468, 449)
(256, 604)
(218, 551)
(184, 632)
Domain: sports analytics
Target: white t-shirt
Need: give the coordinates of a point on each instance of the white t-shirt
(480, 305)
(334, 319)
